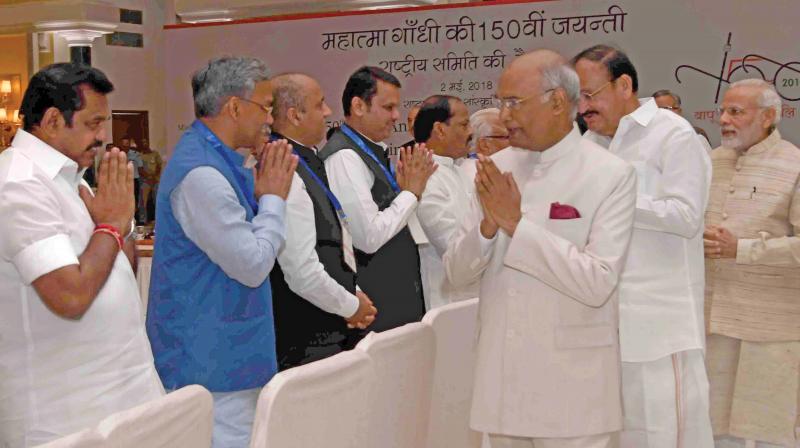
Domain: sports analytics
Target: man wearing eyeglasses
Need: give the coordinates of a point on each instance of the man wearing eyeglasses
(664, 382)
(753, 267)
(668, 100)
(546, 237)
(220, 226)
(489, 136)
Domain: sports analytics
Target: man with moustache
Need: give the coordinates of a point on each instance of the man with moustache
(753, 267)
(664, 382)
(380, 206)
(314, 285)
(443, 125)
(72, 349)
(546, 237)
(220, 227)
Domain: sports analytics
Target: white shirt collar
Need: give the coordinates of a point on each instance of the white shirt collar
(563, 147)
(645, 112)
(444, 161)
(49, 159)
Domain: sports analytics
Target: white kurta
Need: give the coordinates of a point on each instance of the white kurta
(548, 352)
(59, 375)
(443, 206)
(661, 290)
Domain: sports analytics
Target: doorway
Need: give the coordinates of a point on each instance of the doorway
(133, 124)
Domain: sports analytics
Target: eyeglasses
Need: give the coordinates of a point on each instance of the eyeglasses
(590, 96)
(267, 109)
(734, 112)
(670, 107)
(513, 103)
(499, 137)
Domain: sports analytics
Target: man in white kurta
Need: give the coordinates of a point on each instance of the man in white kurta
(547, 242)
(443, 125)
(664, 382)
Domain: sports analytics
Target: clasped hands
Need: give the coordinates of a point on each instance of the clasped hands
(275, 169)
(365, 314)
(500, 198)
(719, 242)
(414, 168)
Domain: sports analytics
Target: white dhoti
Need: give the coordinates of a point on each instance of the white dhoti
(607, 440)
(666, 403)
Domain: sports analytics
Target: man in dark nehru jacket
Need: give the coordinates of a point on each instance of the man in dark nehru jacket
(314, 285)
(380, 206)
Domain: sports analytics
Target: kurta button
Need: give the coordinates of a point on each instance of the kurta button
(732, 189)
(738, 167)
(724, 216)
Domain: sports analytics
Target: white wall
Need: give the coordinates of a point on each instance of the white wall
(138, 73)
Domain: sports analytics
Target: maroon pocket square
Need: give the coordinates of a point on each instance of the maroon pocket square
(563, 211)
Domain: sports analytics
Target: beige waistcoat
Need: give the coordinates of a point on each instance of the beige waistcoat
(754, 194)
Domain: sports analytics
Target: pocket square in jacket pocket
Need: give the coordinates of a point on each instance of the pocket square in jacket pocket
(563, 211)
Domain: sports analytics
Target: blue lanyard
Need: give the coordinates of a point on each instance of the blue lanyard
(331, 197)
(363, 146)
(248, 188)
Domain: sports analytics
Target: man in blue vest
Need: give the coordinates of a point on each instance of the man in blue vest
(220, 227)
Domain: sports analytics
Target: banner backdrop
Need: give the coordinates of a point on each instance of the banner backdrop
(692, 47)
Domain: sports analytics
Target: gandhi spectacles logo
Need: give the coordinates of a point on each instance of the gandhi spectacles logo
(785, 76)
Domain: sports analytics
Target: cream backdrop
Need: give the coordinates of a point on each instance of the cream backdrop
(693, 47)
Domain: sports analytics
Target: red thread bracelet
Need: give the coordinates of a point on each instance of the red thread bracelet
(110, 230)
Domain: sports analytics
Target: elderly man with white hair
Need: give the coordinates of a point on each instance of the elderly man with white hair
(753, 271)
(488, 133)
(488, 137)
(547, 237)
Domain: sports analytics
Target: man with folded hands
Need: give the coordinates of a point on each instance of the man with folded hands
(664, 381)
(546, 236)
(72, 343)
(314, 285)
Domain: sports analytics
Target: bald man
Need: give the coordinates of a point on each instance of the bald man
(313, 286)
(546, 237)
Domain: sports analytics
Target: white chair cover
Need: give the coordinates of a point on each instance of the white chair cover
(454, 325)
(182, 419)
(399, 409)
(321, 404)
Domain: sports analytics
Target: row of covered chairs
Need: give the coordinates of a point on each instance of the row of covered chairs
(409, 387)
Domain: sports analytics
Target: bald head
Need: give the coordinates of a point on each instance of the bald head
(290, 90)
(541, 92)
(299, 108)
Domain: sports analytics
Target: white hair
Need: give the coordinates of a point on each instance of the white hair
(481, 124)
(562, 75)
(769, 98)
